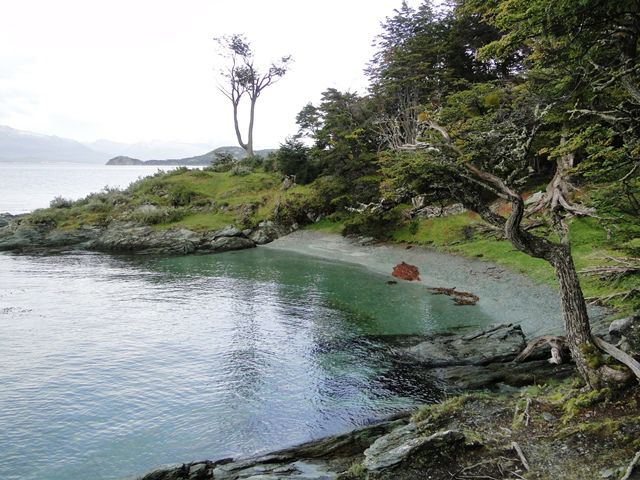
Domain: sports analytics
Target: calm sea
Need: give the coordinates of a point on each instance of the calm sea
(25, 187)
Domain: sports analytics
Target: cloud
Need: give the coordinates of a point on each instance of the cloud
(142, 70)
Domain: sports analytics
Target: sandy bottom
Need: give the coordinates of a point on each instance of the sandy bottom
(506, 296)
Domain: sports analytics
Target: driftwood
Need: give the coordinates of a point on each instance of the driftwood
(607, 298)
(631, 467)
(459, 297)
(623, 267)
(619, 355)
(556, 343)
(520, 453)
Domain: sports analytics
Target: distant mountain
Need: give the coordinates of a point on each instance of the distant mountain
(149, 150)
(23, 146)
(205, 159)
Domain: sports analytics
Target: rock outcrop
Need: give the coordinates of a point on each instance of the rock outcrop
(122, 237)
(497, 344)
(399, 447)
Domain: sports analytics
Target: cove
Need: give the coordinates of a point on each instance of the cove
(115, 365)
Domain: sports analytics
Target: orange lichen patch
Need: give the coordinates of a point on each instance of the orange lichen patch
(406, 272)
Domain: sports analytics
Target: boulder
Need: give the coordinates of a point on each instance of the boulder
(405, 271)
(403, 443)
(228, 231)
(131, 237)
(20, 237)
(225, 244)
(266, 232)
(622, 325)
(501, 343)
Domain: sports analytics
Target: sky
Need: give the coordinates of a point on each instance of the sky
(143, 70)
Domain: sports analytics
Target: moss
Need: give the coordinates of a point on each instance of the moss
(435, 412)
(592, 355)
(356, 471)
(573, 406)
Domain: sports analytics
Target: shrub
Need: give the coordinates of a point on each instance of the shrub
(373, 224)
(180, 195)
(240, 170)
(154, 215)
(61, 202)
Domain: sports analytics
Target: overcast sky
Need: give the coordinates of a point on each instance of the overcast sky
(139, 70)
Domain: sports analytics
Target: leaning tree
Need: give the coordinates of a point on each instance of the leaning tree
(240, 76)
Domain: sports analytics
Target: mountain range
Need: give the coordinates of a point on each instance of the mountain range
(23, 146)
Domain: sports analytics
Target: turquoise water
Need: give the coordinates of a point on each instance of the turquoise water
(115, 365)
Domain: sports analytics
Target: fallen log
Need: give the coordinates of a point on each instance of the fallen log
(459, 297)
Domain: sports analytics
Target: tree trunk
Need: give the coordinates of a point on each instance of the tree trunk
(574, 308)
(249, 146)
(237, 126)
(574, 311)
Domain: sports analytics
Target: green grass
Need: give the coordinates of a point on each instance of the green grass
(590, 244)
(326, 226)
(199, 222)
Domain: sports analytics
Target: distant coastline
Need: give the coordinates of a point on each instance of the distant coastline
(199, 160)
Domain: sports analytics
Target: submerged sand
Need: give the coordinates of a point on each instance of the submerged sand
(506, 296)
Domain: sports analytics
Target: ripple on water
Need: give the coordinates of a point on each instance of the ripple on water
(114, 365)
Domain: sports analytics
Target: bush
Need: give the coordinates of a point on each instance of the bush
(154, 215)
(240, 170)
(292, 158)
(373, 224)
(180, 195)
(61, 202)
(222, 163)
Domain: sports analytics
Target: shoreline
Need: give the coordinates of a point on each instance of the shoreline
(506, 296)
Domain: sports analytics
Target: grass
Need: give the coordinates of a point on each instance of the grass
(199, 200)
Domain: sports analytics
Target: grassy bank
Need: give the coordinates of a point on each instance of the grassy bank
(200, 200)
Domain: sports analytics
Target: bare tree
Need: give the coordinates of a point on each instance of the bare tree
(241, 77)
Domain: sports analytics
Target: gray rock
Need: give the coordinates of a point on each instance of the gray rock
(497, 344)
(130, 237)
(266, 232)
(228, 231)
(225, 244)
(21, 237)
(401, 444)
(620, 326)
(5, 219)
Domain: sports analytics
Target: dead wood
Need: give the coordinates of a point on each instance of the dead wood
(619, 355)
(631, 467)
(607, 298)
(557, 344)
(520, 453)
(459, 297)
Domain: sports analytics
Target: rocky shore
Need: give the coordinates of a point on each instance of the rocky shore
(476, 360)
(130, 237)
(473, 435)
